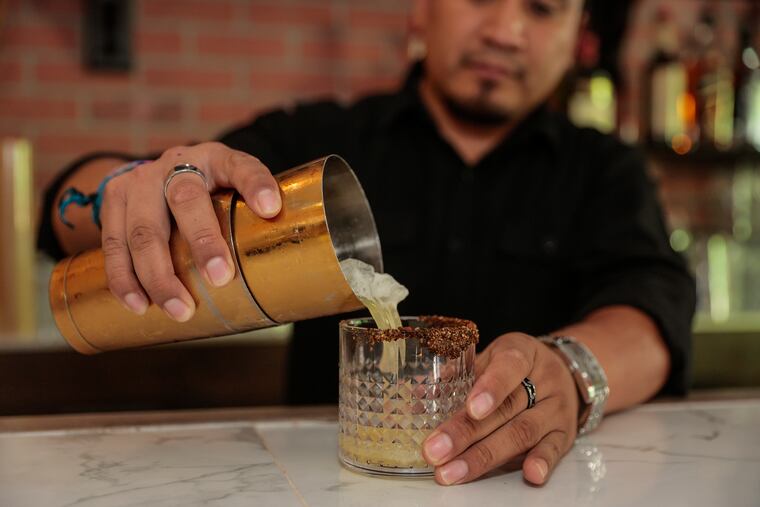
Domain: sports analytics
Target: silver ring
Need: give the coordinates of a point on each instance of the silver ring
(184, 168)
(531, 390)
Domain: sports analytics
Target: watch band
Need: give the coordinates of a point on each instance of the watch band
(589, 378)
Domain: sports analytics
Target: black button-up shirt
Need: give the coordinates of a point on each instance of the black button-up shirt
(554, 223)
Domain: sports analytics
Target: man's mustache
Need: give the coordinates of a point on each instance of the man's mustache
(504, 61)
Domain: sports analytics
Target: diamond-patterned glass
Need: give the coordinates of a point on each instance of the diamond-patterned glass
(392, 395)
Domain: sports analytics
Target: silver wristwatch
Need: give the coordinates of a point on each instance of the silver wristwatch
(589, 377)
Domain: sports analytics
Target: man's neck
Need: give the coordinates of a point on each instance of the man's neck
(470, 140)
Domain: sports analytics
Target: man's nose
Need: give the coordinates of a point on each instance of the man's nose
(505, 25)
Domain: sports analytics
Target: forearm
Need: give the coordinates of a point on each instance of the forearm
(85, 234)
(628, 345)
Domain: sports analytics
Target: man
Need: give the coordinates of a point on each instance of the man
(489, 207)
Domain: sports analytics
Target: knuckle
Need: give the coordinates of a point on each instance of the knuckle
(563, 405)
(524, 433)
(462, 428)
(233, 154)
(257, 160)
(506, 410)
(517, 358)
(142, 173)
(568, 405)
(482, 457)
(203, 237)
(236, 158)
(553, 452)
(158, 285)
(185, 192)
(142, 237)
(112, 191)
(120, 279)
(522, 337)
(212, 145)
(117, 284)
(112, 246)
(566, 410)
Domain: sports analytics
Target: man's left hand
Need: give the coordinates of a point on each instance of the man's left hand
(496, 428)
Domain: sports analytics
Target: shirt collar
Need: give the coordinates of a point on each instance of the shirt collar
(407, 99)
(540, 122)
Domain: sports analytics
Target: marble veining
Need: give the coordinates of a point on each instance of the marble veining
(156, 466)
(690, 454)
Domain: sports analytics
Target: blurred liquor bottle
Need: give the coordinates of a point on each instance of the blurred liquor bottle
(715, 94)
(669, 103)
(17, 253)
(747, 114)
(592, 101)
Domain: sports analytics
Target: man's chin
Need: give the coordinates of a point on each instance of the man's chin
(479, 112)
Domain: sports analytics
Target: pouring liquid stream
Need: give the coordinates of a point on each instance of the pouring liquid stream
(381, 294)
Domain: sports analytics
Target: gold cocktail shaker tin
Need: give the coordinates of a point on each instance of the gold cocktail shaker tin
(287, 268)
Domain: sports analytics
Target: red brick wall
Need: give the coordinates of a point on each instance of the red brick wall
(200, 66)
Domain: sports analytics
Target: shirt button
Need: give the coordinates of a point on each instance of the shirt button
(455, 245)
(549, 246)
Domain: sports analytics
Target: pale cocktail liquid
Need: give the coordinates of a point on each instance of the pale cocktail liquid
(397, 446)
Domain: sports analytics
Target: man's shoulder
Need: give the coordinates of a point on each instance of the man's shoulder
(591, 149)
(287, 136)
(324, 113)
(588, 138)
(359, 112)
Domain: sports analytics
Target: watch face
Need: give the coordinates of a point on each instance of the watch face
(589, 377)
(588, 373)
(597, 381)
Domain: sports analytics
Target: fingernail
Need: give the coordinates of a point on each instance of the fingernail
(480, 406)
(178, 310)
(136, 302)
(542, 467)
(438, 447)
(218, 271)
(454, 471)
(268, 201)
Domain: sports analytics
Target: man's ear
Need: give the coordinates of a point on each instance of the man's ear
(583, 28)
(418, 16)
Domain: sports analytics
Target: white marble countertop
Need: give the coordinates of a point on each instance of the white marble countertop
(670, 454)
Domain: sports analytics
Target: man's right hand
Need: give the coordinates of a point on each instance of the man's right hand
(136, 223)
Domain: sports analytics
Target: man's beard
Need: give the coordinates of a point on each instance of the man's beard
(477, 111)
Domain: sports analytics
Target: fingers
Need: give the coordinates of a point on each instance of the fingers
(541, 460)
(248, 176)
(456, 434)
(509, 362)
(136, 225)
(520, 434)
(465, 447)
(148, 229)
(190, 203)
(122, 280)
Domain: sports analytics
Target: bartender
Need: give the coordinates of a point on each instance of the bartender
(489, 207)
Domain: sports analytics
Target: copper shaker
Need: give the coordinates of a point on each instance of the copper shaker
(287, 268)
